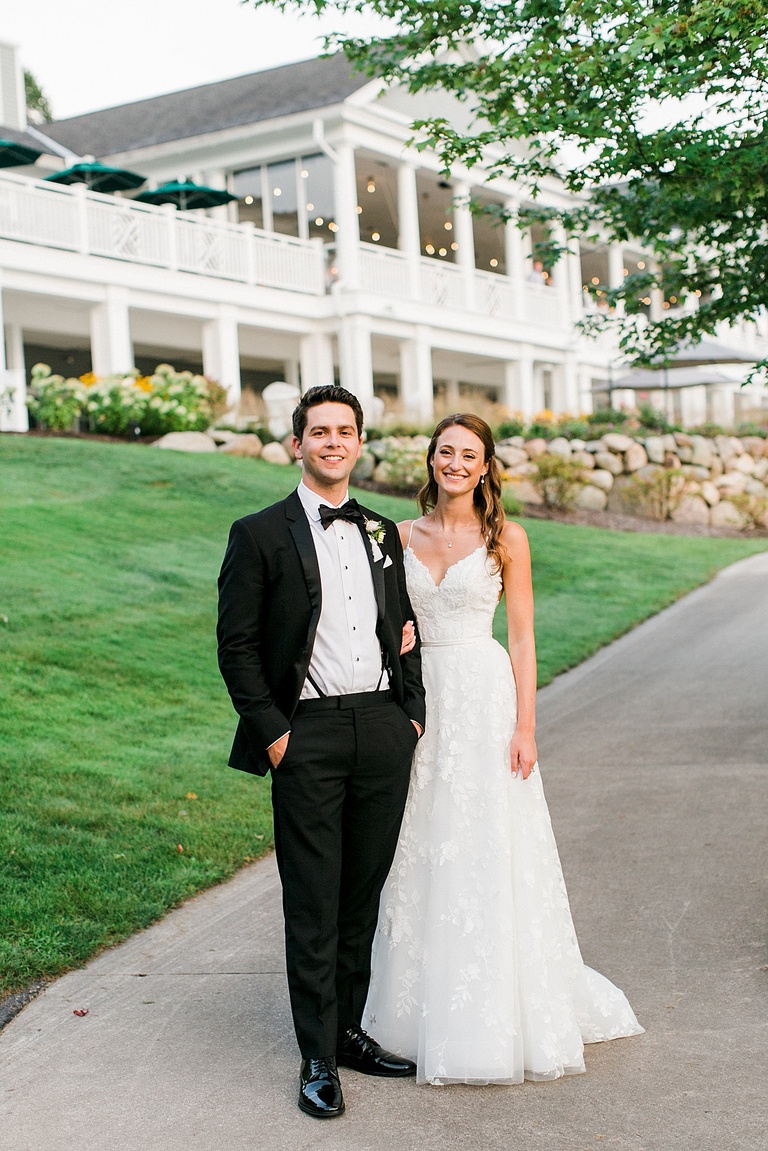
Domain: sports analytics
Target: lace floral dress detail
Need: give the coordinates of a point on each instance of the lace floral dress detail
(477, 973)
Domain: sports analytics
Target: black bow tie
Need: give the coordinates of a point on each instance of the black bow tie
(350, 511)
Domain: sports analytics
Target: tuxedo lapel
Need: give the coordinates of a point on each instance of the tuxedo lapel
(377, 572)
(302, 537)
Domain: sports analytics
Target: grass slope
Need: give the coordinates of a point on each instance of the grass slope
(114, 723)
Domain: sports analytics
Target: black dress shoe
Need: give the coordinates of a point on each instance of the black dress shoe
(319, 1089)
(357, 1050)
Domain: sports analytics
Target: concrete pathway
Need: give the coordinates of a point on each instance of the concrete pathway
(655, 759)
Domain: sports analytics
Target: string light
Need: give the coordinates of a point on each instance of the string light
(304, 174)
(332, 227)
(249, 199)
(277, 192)
(641, 264)
(448, 226)
(310, 207)
(442, 252)
(494, 263)
(625, 271)
(319, 221)
(595, 279)
(375, 237)
(359, 209)
(429, 250)
(370, 186)
(454, 246)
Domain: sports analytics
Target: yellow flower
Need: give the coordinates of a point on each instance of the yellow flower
(89, 379)
(144, 382)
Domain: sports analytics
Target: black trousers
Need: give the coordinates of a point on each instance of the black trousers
(338, 798)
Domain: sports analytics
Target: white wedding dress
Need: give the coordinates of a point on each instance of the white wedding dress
(477, 973)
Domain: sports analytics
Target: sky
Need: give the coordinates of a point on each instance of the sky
(91, 54)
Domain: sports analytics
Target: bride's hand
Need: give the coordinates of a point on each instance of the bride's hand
(522, 754)
(409, 637)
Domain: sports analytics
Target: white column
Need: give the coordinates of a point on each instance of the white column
(657, 296)
(586, 399)
(221, 352)
(616, 272)
(355, 360)
(14, 416)
(409, 236)
(452, 395)
(348, 235)
(291, 373)
(111, 344)
(518, 383)
(217, 178)
(514, 255)
(417, 392)
(569, 390)
(316, 361)
(465, 238)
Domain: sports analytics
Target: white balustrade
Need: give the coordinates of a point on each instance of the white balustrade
(384, 271)
(442, 284)
(543, 305)
(494, 295)
(34, 212)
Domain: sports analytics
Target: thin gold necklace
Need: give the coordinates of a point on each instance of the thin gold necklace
(464, 527)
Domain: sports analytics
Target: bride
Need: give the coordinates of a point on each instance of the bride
(477, 973)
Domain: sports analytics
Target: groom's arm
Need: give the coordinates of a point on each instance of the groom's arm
(240, 635)
(410, 663)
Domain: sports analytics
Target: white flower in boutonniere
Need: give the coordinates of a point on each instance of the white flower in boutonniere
(375, 531)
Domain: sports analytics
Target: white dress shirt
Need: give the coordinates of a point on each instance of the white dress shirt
(346, 656)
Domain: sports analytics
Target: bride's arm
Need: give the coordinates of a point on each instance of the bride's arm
(518, 593)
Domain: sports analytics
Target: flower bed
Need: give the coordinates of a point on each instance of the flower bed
(125, 404)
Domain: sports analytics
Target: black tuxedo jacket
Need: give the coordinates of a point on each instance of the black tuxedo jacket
(269, 606)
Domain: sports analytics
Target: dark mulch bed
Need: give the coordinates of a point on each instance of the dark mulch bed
(13, 1004)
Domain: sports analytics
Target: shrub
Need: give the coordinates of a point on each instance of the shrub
(607, 416)
(751, 428)
(658, 495)
(655, 421)
(403, 462)
(510, 500)
(514, 426)
(752, 509)
(557, 480)
(119, 405)
(574, 427)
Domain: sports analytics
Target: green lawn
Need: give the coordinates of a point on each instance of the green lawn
(114, 725)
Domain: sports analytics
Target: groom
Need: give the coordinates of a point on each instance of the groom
(312, 603)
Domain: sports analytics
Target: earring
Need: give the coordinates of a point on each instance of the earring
(482, 479)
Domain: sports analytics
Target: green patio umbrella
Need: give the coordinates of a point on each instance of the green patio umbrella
(98, 177)
(13, 154)
(185, 195)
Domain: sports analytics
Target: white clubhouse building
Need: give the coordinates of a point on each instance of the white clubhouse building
(345, 255)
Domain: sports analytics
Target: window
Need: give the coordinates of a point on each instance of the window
(246, 186)
(489, 234)
(283, 197)
(294, 197)
(437, 233)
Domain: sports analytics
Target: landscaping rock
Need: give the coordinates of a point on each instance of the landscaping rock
(221, 435)
(692, 509)
(702, 451)
(685, 454)
(710, 492)
(601, 478)
(510, 456)
(275, 454)
(755, 445)
(744, 463)
(610, 462)
(649, 472)
(761, 469)
(587, 460)
(364, 468)
(635, 458)
(535, 448)
(692, 471)
(725, 515)
(246, 445)
(755, 488)
(731, 482)
(593, 446)
(377, 448)
(511, 442)
(526, 492)
(578, 445)
(671, 460)
(520, 470)
(669, 442)
(654, 446)
(621, 497)
(683, 440)
(591, 498)
(186, 442)
(616, 442)
(560, 446)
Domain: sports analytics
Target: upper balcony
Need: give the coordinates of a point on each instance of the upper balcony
(91, 224)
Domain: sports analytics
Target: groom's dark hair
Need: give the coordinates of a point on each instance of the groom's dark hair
(325, 394)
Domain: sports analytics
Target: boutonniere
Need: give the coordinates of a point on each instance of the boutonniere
(375, 531)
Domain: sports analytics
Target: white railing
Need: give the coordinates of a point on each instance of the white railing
(442, 284)
(385, 271)
(544, 305)
(495, 295)
(76, 220)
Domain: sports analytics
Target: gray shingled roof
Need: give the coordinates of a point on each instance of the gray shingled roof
(20, 137)
(248, 99)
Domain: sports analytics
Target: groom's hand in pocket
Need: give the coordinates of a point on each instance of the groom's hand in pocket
(277, 750)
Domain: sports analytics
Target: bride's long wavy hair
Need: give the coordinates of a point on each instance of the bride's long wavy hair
(487, 495)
